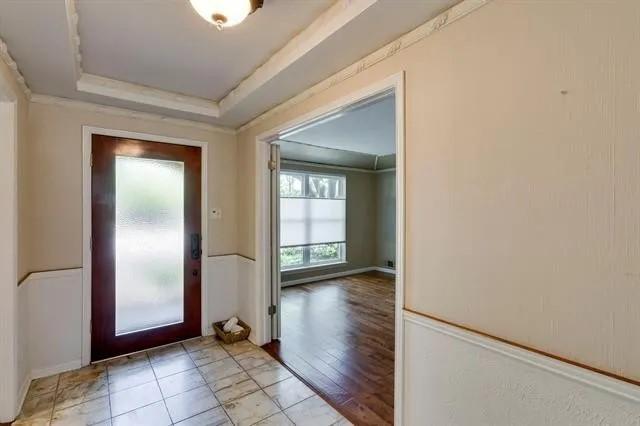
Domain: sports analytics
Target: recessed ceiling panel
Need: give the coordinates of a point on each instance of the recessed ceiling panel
(165, 44)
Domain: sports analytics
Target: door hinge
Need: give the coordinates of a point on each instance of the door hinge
(271, 164)
(272, 309)
(91, 243)
(91, 160)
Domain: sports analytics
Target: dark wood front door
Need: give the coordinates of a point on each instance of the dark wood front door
(146, 217)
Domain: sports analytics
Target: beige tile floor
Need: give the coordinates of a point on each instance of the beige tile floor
(194, 383)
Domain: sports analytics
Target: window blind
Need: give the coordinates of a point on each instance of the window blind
(312, 209)
(306, 221)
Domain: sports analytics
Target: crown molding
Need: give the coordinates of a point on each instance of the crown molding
(74, 36)
(335, 18)
(97, 85)
(331, 166)
(117, 89)
(123, 112)
(433, 25)
(328, 23)
(13, 67)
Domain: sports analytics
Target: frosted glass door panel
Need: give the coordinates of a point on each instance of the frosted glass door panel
(149, 255)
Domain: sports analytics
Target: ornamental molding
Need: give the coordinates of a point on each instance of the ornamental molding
(447, 17)
(13, 68)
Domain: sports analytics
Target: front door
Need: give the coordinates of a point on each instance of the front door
(146, 215)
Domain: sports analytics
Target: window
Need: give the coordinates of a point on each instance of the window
(312, 219)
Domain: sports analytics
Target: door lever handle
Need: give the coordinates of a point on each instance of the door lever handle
(196, 251)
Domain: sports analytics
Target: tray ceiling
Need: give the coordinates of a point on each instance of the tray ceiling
(159, 56)
(153, 46)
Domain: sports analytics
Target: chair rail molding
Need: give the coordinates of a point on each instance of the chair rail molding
(123, 112)
(507, 384)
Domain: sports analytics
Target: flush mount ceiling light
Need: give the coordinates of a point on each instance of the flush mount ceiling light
(225, 13)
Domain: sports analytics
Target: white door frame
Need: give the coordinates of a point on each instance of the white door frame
(87, 133)
(262, 231)
(9, 400)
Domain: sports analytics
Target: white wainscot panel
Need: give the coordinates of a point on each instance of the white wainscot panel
(248, 296)
(24, 367)
(222, 288)
(55, 319)
(454, 377)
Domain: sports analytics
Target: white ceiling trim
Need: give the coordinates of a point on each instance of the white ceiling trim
(97, 85)
(332, 20)
(117, 89)
(335, 17)
(74, 37)
(331, 166)
(445, 18)
(13, 67)
(123, 112)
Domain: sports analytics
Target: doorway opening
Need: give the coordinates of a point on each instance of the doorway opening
(335, 252)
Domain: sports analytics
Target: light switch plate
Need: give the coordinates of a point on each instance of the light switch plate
(216, 213)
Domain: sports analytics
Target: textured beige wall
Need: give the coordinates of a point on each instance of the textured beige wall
(54, 194)
(23, 182)
(23, 111)
(385, 218)
(522, 200)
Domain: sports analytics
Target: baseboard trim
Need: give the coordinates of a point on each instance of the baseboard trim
(43, 372)
(328, 276)
(24, 388)
(56, 369)
(385, 270)
(535, 359)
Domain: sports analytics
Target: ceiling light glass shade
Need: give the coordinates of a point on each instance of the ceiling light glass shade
(223, 13)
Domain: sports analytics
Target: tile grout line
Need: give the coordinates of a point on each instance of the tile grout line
(261, 388)
(153, 370)
(197, 368)
(246, 371)
(142, 406)
(206, 383)
(156, 380)
(55, 398)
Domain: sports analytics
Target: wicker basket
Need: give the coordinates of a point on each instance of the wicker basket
(229, 338)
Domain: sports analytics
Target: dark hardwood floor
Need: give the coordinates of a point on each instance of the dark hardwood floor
(338, 337)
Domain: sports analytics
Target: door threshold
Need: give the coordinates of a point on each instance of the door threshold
(146, 350)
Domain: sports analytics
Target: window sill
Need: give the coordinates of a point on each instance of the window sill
(314, 267)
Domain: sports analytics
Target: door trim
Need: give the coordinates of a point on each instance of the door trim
(262, 225)
(10, 395)
(87, 133)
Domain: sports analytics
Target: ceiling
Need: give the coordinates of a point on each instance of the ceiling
(361, 135)
(297, 152)
(368, 129)
(159, 56)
